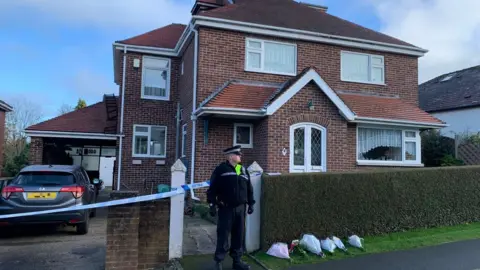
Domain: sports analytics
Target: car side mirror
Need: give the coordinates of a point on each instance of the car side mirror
(96, 181)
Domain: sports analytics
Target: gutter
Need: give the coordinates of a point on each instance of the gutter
(383, 121)
(194, 108)
(60, 134)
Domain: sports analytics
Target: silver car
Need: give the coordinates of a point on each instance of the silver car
(44, 187)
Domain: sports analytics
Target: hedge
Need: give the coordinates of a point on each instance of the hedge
(367, 203)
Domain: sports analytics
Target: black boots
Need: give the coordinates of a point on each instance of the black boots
(240, 265)
(218, 266)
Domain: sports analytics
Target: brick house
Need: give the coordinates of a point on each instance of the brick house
(4, 109)
(301, 90)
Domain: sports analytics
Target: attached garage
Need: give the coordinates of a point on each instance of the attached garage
(85, 137)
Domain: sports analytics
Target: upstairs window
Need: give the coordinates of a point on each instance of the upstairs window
(270, 57)
(362, 68)
(156, 78)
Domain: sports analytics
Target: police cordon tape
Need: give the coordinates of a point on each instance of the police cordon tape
(175, 191)
(152, 197)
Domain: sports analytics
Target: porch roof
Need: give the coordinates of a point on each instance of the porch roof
(258, 99)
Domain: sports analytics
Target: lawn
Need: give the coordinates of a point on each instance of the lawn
(377, 244)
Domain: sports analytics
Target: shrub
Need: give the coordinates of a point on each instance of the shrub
(368, 203)
(435, 147)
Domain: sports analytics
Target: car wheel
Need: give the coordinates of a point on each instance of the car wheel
(82, 228)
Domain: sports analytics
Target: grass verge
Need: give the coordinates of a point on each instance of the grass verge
(384, 243)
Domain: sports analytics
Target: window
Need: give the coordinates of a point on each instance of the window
(184, 139)
(387, 146)
(243, 135)
(156, 78)
(363, 68)
(181, 68)
(270, 57)
(149, 141)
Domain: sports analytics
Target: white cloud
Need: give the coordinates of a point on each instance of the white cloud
(137, 14)
(450, 30)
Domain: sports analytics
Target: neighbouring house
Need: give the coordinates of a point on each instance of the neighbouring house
(454, 98)
(4, 109)
(301, 90)
(85, 137)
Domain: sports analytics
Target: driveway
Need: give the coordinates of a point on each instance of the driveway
(452, 256)
(46, 248)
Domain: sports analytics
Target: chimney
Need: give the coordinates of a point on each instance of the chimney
(317, 7)
(203, 5)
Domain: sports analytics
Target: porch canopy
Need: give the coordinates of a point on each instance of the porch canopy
(86, 137)
(253, 99)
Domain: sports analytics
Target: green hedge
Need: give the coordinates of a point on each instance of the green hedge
(368, 203)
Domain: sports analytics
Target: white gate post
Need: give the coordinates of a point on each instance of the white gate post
(253, 221)
(177, 204)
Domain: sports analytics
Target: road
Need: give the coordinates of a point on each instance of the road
(46, 248)
(452, 256)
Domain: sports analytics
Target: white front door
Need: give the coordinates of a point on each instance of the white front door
(106, 170)
(308, 148)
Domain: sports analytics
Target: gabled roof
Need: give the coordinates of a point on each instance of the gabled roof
(294, 15)
(451, 91)
(367, 105)
(91, 119)
(261, 99)
(164, 37)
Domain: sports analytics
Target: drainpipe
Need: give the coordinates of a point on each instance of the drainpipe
(194, 108)
(119, 162)
(177, 136)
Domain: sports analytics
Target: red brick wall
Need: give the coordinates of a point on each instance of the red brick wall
(36, 150)
(222, 57)
(2, 139)
(147, 112)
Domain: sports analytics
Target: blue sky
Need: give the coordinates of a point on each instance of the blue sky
(55, 51)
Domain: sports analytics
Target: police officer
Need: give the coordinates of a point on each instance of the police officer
(230, 191)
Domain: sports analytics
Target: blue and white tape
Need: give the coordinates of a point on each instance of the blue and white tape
(145, 198)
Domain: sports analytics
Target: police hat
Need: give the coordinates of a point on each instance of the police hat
(233, 150)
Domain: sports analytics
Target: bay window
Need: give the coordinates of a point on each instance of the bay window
(149, 141)
(388, 146)
(270, 57)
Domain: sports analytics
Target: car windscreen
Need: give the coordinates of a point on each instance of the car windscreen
(44, 179)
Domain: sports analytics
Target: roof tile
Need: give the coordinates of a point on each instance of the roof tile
(392, 108)
(91, 119)
(243, 95)
(165, 37)
(293, 15)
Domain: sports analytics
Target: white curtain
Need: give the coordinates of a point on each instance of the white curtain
(279, 57)
(370, 138)
(355, 67)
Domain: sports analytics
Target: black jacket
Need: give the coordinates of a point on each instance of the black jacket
(229, 188)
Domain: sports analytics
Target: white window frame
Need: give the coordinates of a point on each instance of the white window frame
(181, 68)
(250, 145)
(184, 139)
(370, 67)
(168, 86)
(262, 55)
(307, 167)
(148, 134)
(403, 162)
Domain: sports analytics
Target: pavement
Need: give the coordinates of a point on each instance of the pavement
(461, 255)
(59, 248)
(199, 236)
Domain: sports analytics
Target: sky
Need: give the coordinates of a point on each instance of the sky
(56, 51)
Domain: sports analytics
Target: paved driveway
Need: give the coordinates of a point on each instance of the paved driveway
(46, 248)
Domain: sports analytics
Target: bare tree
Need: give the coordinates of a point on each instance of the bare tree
(25, 113)
(65, 109)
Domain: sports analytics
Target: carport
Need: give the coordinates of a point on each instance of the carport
(85, 137)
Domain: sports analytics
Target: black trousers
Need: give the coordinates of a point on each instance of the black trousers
(230, 220)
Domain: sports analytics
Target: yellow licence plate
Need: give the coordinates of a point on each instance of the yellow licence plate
(42, 195)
